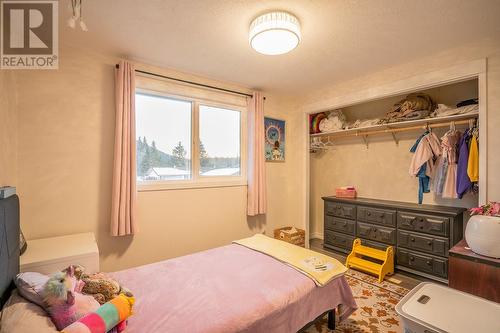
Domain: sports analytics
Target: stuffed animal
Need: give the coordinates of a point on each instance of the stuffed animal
(64, 305)
(98, 285)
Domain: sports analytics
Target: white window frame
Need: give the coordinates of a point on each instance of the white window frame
(198, 181)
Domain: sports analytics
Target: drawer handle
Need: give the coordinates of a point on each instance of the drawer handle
(412, 258)
(345, 224)
(421, 219)
(429, 243)
(382, 215)
(412, 239)
(429, 262)
(421, 227)
(368, 214)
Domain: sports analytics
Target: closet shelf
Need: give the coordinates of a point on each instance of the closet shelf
(402, 126)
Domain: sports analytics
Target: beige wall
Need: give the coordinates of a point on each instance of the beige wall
(285, 186)
(66, 133)
(8, 129)
(381, 171)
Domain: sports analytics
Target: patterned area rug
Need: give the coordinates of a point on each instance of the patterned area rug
(375, 313)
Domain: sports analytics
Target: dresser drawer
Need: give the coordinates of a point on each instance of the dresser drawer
(426, 243)
(423, 263)
(376, 233)
(376, 245)
(338, 240)
(340, 224)
(436, 225)
(340, 210)
(377, 215)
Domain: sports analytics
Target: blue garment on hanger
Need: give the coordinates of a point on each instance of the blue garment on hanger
(423, 179)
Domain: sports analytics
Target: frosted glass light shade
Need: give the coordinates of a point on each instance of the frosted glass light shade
(274, 33)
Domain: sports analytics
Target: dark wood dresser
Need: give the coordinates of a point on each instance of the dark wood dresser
(421, 234)
(474, 273)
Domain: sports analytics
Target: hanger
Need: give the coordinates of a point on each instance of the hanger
(329, 143)
(452, 126)
(471, 123)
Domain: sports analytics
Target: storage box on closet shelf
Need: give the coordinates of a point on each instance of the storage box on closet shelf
(346, 192)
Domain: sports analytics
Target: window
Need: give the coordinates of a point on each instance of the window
(183, 143)
(219, 142)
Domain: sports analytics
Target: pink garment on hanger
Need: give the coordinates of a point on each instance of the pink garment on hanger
(428, 148)
(449, 143)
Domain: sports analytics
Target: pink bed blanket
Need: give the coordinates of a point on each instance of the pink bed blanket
(228, 289)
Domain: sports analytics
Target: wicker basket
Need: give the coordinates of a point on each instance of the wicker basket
(296, 238)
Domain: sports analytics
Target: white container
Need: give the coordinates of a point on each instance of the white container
(482, 234)
(49, 255)
(433, 308)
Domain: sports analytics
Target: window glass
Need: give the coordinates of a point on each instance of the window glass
(220, 141)
(163, 132)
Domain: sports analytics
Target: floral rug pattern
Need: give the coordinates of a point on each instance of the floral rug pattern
(375, 313)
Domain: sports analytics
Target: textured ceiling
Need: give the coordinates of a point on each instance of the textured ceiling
(341, 40)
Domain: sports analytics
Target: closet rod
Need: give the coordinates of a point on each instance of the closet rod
(397, 130)
(192, 83)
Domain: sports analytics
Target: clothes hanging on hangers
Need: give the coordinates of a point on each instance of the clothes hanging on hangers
(464, 183)
(426, 151)
(473, 162)
(449, 142)
(440, 174)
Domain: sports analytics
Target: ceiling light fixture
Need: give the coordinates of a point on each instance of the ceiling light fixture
(274, 33)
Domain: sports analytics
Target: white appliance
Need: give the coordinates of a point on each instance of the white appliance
(433, 308)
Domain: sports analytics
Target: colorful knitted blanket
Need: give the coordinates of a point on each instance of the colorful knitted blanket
(110, 316)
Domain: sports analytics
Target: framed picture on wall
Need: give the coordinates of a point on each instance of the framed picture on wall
(275, 139)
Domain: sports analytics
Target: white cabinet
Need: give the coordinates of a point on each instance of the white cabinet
(49, 255)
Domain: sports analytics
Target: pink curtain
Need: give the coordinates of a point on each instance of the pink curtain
(124, 193)
(256, 197)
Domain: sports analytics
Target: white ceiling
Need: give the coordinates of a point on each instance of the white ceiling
(340, 39)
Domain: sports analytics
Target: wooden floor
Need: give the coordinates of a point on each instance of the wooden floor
(405, 280)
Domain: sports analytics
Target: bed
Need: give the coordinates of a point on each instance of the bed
(226, 289)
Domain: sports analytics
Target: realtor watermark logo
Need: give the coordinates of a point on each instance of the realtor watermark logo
(29, 35)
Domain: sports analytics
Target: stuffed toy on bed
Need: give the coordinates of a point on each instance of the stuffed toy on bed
(110, 317)
(64, 305)
(98, 285)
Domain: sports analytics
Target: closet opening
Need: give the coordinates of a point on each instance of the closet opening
(370, 146)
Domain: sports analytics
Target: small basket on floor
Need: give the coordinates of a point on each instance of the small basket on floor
(291, 235)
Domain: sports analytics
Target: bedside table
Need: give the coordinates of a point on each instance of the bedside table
(49, 255)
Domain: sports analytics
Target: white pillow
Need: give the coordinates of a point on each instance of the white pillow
(30, 286)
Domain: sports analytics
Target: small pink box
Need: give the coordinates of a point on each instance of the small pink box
(345, 193)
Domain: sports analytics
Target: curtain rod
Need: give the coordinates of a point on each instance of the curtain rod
(192, 83)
